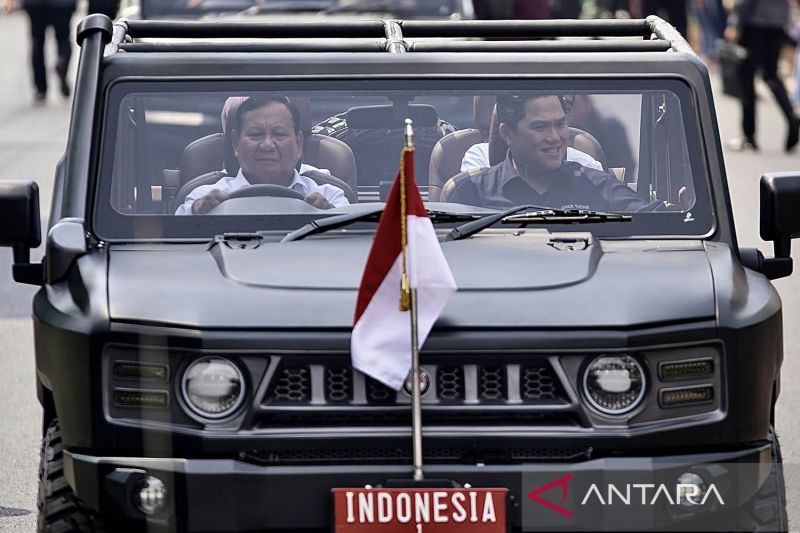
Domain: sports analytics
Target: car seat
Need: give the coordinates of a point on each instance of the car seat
(449, 151)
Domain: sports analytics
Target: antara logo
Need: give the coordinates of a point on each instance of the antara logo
(651, 494)
(563, 483)
(627, 494)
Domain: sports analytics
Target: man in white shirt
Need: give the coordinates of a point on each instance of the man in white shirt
(477, 157)
(268, 143)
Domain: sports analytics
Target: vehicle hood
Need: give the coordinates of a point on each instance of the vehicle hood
(531, 280)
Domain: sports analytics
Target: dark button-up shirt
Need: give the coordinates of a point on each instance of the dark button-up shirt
(574, 187)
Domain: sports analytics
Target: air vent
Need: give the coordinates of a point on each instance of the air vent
(538, 383)
(491, 383)
(377, 392)
(353, 455)
(293, 385)
(338, 384)
(450, 383)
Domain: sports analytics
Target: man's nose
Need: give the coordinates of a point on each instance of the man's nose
(269, 142)
(552, 133)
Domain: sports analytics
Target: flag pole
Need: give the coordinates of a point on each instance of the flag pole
(416, 396)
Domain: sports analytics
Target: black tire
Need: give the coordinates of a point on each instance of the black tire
(59, 510)
(766, 511)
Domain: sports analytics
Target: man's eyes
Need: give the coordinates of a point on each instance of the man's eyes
(544, 127)
(255, 136)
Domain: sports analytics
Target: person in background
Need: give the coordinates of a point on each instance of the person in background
(565, 9)
(43, 14)
(512, 9)
(609, 130)
(710, 15)
(758, 26)
(108, 8)
(673, 11)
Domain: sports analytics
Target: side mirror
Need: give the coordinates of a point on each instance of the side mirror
(20, 228)
(780, 219)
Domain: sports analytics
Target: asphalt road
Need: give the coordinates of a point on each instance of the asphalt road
(32, 140)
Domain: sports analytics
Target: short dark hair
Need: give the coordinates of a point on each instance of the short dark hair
(255, 102)
(511, 106)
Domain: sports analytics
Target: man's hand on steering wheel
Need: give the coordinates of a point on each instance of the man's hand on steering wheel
(206, 203)
(317, 200)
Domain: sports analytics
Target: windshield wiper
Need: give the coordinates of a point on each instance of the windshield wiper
(322, 225)
(568, 216)
(471, 228)
(542, 215)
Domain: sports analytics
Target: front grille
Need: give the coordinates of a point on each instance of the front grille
(328, 392)
(403, 455)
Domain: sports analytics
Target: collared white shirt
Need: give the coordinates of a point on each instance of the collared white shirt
(300, 184)
(477, 156)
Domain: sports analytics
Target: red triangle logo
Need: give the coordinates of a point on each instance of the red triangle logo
(562, 482)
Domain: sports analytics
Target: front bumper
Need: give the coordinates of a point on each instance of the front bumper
(231, 495)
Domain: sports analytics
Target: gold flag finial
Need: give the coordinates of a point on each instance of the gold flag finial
(405, 284)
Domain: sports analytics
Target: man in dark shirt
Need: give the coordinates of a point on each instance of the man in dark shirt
(534, 127)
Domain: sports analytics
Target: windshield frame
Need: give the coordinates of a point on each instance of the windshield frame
(110, 225)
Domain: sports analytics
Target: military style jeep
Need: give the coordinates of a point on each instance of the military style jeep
(604, 365)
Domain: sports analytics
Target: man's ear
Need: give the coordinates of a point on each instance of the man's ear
(505, 132)
(300, 138)
(235, 140)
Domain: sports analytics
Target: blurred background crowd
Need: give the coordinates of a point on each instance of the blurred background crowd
(743, 39)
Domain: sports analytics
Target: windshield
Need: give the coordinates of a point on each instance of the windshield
(409, 9)
(194, 160)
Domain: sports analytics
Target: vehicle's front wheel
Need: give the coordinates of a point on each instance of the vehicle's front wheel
(766, 510)
(59, 510)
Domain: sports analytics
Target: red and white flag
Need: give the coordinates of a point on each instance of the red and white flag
(381, 341)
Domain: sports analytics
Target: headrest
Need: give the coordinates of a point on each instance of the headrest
(391, 117)
(482, 109)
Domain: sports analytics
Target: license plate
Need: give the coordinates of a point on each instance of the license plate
(419, 510)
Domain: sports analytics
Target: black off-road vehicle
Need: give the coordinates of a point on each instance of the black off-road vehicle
(608, 369)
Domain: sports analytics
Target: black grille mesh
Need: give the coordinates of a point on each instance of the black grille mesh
(338, 384)
(328, 417)
(335, 383)
(538, 383)
(379, 393)
(403, 455)
(293, 385)
(450, 383)
(491, 383)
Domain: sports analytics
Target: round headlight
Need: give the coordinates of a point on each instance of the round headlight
(213, 387)
(614, 384)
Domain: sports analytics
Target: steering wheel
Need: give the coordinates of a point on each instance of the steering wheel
(266, 189)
